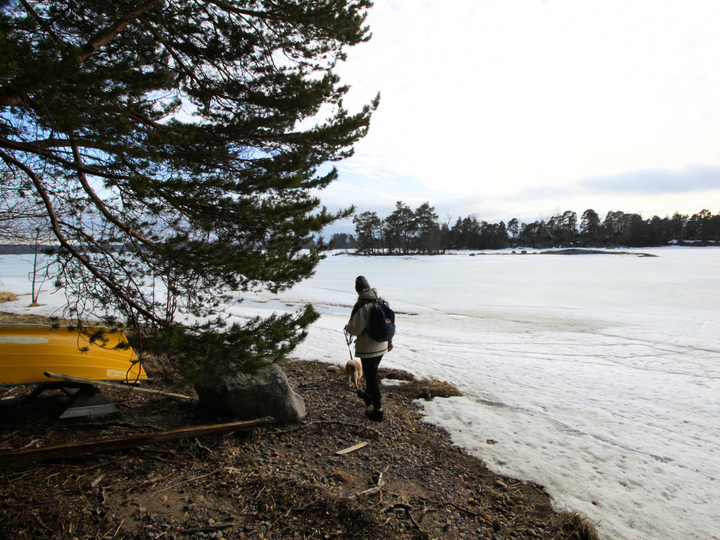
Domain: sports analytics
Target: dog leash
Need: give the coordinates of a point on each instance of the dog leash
(348, 340)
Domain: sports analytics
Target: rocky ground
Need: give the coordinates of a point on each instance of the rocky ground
(277, 481)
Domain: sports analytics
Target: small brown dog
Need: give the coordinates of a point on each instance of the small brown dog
(354, 373)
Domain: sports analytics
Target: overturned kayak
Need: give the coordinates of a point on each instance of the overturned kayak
(27, 352)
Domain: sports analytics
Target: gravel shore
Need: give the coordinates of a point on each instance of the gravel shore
(405, 479)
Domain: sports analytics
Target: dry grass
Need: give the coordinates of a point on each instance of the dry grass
(422, 389)
(432, 388)
(7, 297)
(575, 526)
(15, 318)
(396, 374)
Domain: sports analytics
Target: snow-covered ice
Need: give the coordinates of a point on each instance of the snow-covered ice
(596, 376)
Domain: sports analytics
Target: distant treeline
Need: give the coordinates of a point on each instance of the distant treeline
(419, 231)
(25, 249)
(30, 249)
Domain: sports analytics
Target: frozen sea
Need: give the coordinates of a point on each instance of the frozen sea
(596, 376)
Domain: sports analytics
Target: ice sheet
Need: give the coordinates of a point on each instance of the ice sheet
(597, 376)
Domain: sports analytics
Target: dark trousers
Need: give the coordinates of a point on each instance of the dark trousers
(372, 380)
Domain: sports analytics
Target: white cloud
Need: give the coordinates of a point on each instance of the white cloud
(492, 98)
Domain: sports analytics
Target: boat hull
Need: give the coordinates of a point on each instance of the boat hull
(27, 352)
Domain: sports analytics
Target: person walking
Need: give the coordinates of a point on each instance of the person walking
(369, 351)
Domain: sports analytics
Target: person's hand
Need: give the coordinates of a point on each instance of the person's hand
(390, 346)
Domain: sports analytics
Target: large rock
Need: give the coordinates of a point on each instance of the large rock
(246, 397)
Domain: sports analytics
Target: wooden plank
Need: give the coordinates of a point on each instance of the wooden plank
(80, 380)
(129, 441)
(351, 448)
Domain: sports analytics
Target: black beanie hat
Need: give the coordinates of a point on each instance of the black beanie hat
(361, 284)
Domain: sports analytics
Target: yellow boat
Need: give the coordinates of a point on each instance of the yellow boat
(27, 352)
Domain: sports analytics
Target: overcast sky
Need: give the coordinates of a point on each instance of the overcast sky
(523, 108)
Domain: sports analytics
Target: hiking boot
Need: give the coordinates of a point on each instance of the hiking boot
(362, 395)
(374, 414)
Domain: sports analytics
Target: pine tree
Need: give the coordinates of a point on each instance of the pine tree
(427, 225)
(589, 223)
(172, 146)
(368, 227)
(513, 227)
(400, 227)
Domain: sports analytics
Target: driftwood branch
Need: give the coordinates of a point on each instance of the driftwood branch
(130, 441)
(80, 380)
(377, 488)
(351, 448)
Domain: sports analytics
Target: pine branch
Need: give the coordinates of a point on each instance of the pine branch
(107, 35)
(39, 149)
(55, 225)
(99, 203)
(43, 24)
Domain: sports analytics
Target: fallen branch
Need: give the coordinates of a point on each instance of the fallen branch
(118, 529)
(41, 523)
(351, 448)
(377, 488)
(407, 509)
(200, 445)
(93, 382)
(129, 441)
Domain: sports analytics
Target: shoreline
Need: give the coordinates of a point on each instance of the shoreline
(408, 482)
